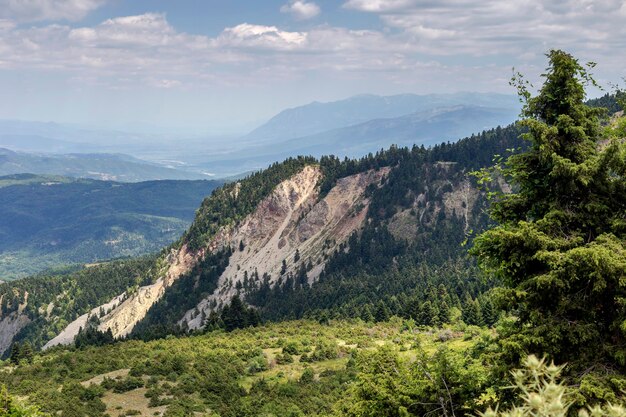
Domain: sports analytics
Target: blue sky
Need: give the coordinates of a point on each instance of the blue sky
(213, 66)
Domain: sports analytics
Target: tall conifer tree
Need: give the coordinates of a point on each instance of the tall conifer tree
(560, 246)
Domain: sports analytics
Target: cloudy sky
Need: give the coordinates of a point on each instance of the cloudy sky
(210, 65)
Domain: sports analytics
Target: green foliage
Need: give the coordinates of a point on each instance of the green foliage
(204, 372)
(237, 316)
(560, 246)
(542, 394)
(387, 384)
(123, 385)
(91, 336)
(11, 408)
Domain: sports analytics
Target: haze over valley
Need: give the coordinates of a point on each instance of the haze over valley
(350, 127)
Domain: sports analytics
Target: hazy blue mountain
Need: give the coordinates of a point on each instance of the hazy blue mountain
(318, 117)
(422, 128)
(368, 122)
(426, 127)
(36, 143)
(114, 167)
(47, 221)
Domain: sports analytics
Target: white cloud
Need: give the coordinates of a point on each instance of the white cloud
(376, 5)
(493, 27)
(257, 36)
(422, 41)
(167, 84)
(301, 10)
(39, 10)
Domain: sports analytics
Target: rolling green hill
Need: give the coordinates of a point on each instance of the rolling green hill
(48, 221)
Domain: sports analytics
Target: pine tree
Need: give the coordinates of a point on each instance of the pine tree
(444, 313)
(15, 353)
(428, 314)
(366, 314)
(560, 246)
(489, 314)
(382, 312)
(26, 352)
(471, 313)
(235, 315)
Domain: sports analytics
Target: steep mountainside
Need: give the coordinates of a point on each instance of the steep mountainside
(50, 221)
(304, 237)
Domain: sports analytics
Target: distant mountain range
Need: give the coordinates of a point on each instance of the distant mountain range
(426, 127)
(350, 127)
(47, 221)
(319, 117)
(110, 167)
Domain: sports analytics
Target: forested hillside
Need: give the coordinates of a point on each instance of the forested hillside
(50, 221)
(414, 190)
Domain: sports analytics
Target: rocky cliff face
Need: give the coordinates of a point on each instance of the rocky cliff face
(11, 324)
(123, 312)
(292, 219)
(291, 228)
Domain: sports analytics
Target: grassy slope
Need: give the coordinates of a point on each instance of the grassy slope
(217, 371)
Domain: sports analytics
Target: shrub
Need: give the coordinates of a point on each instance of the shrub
(542, 395)
(284, 358)
(307, 376)
(291, 348)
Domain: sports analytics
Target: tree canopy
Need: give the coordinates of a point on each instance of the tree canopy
(560, 243)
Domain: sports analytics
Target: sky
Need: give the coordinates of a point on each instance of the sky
(212, 66)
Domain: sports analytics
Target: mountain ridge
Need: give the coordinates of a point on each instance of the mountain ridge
(317, 117)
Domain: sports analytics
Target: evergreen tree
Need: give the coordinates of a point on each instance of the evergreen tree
(560, 246)
(323, 318)
(428, 314)
(15, 353)
(235, 315)
(26, 352)
(472, 313)
(444, 313)
(366, 314)
(382, 312)
(489, 314)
